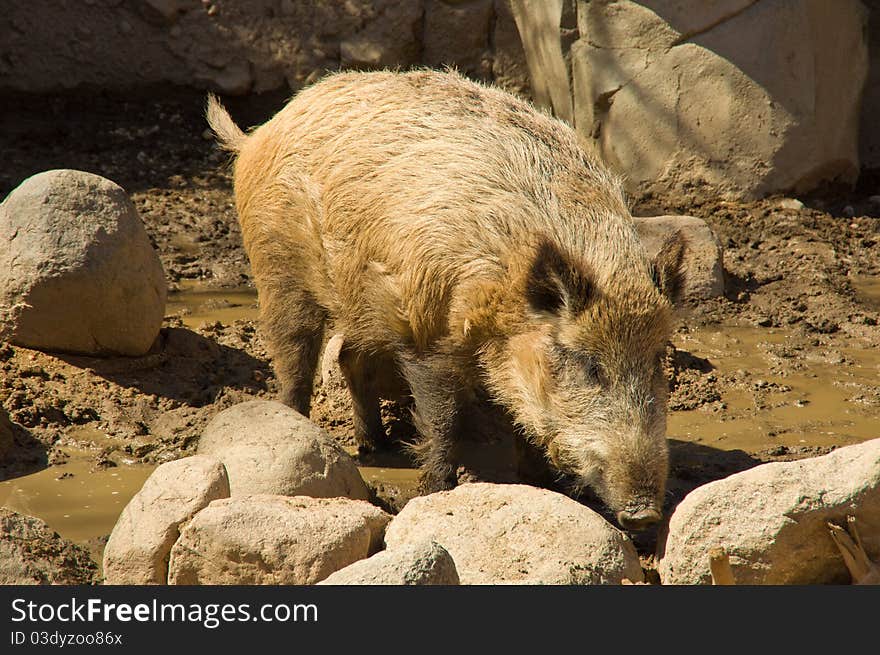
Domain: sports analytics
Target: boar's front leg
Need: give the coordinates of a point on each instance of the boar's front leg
(435, 390)
(360, 376)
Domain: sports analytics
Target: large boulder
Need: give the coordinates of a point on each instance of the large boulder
(869, 134)
(772, 520)
(269, 448)
(275, 540)
(740, 97)
(31, 553)
(513, 533)
(704, 267)
(427, 563)
(77, 271)
(140, 544)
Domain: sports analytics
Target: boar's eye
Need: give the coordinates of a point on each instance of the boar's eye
(586, 366)
(590, 367)
(592, 373)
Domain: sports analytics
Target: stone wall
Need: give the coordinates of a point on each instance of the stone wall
(742, 97)
(240, 47)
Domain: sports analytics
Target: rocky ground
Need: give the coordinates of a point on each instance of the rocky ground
(793, 265)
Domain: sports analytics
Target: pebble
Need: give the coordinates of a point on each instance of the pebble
(791, 203)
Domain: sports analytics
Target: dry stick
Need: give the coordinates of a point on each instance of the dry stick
(862, 569)
(538, 23)
(719, 567)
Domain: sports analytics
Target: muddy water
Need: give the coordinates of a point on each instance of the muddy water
(402, 477)
(768, 399)
(196, 304)
(823, 399)
(77, 500)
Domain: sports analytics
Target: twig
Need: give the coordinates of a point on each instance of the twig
(862, 569)
(719, 567)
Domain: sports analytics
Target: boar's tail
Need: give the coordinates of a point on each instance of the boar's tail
(229, 135)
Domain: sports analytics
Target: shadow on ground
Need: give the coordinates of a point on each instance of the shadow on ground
(26, 454)
(183, 366)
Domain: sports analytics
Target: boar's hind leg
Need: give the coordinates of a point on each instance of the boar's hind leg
(434, 390)
(360, 375)
(294, 329)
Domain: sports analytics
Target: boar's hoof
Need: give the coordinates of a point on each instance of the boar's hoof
(639, 519)
(431, 483)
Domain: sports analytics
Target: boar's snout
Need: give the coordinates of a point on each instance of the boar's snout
(638, 519)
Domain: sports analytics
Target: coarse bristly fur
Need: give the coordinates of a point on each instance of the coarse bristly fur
(451, 229)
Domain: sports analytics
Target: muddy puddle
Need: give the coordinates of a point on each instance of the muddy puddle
(197, 303)
(773, 394)
(77, 499)
(772, 390)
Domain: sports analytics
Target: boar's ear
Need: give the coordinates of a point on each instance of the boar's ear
(555, 282)
(668, 267)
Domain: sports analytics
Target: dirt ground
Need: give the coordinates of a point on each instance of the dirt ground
(807, 273)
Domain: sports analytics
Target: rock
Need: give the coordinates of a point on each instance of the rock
(790, 203)
(139, 546)
(457, 34)
(740, 97)
(704, 258)
(53, 46)
(161, 12)
(869, 134)
(509, 67)
(77, 271)
(390, 39)
(417, 564)
(512, 533)
(772, 520)
(275, 540)
(361, 52)
(31, 553)
(269, 448)
(235, 79)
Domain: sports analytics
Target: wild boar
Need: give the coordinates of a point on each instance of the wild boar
(452, 231)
